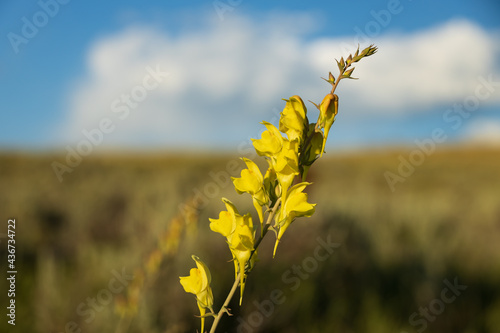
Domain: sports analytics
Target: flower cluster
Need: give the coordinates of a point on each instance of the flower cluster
(288, 159)
(289, 149)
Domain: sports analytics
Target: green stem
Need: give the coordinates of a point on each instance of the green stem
(266, 225)
(224, 307)
(339, 78)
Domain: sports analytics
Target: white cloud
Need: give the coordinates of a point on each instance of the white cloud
(428, 68)
(483, 131)
(225, 78)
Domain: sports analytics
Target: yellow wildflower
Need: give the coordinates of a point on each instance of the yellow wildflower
(252, 182)
(239, 232)
(293, 119)
(294, 205)
(287, 164)
(198, 283)
(270, 142)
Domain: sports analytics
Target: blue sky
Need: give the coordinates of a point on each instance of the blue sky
(221, 71)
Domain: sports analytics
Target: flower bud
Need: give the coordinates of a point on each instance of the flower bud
(327, 111)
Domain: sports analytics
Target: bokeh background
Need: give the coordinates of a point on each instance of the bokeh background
(122, 122)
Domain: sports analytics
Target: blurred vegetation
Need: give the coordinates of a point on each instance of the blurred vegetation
(115, 213)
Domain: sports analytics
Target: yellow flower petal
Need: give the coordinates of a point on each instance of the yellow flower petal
(240, 239)
(287, 164)
(206, 277)
(252, 182)
(226, 223)
(270, 142)
(293, 118)
(198, 283)
(248, 182)
(296, 202)
(192, 283)
(231, 208)
(254, 169)
(295, 205)
(241, 245)
(223, 225)
(206, 298)
(202, 314)
(258, 203)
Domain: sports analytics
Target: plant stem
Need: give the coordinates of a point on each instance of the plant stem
(226, 303)
(339, 78)
(224, 307)
(267, 225)
(317, 128)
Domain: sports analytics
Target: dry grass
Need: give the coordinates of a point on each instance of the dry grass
(396, 248)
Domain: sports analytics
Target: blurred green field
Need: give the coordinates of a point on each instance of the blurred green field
(394, 249)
